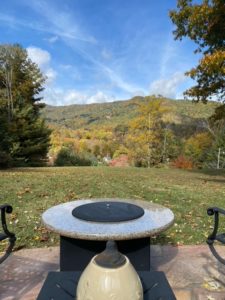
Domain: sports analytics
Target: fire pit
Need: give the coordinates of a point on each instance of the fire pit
(85, 226)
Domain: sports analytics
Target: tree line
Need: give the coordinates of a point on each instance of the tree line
(150, 139)
(157, 136)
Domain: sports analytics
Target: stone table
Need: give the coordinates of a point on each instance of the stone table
(80, 240)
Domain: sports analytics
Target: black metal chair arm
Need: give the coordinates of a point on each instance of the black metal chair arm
(6, 208)
(214, 236)
(212, 210)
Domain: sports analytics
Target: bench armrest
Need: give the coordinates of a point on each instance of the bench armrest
(214, 236)
(6, 208)
(212, 210)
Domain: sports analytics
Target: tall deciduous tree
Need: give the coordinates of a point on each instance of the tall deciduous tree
(204, 23)
(145, 139)
(26, 137)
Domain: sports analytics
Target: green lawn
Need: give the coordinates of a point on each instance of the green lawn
(188, 193)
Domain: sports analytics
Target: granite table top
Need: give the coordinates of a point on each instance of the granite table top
(156, 219)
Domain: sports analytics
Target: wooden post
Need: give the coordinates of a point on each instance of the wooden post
(218, 159)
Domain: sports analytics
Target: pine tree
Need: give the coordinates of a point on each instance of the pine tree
(26, 137)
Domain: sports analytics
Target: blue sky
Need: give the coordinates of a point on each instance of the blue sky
(100, 50)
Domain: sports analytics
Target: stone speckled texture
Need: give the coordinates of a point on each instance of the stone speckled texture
(23, 273)
(192, 271)
(155, 219)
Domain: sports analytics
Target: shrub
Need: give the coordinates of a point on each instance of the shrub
(183, 162)
(67, 157)
(121, 161)
(87, 159)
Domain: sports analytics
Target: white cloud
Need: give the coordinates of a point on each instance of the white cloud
(51, 75)
(100, 97)
(66, 67)
(43, 59)
(167, 87)
(169, 55)
(58, 97)
(53, 96)
(73, 97)
(52, 39)
(106, 54)
(39, 56)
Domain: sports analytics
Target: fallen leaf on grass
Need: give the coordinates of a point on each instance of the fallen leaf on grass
(13, 217)
(24, 191)
(70, 196)
(44, 238)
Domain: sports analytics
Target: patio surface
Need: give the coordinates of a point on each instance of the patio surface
(193, 273)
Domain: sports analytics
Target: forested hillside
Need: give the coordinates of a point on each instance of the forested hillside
(119, 112)
(142, 131)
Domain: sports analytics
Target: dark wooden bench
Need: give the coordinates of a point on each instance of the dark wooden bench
(215, 236)
(6, 234)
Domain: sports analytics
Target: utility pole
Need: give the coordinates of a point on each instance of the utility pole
(164, 145)
(149, 136)
(218, 158)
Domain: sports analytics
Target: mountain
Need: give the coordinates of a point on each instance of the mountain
(120, 112)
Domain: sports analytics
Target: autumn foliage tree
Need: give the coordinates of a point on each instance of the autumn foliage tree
(145, 138)
(24, 137)
(204, 23)
(198, 146)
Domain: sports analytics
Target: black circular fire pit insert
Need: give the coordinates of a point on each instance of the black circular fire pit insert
(108, 212)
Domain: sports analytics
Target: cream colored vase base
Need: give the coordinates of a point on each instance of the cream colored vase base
(98, 283)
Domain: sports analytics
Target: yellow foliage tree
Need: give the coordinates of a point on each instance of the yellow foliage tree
(204, 23)
(197, 146)
(145, 136)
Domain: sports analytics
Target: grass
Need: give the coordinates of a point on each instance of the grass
(188, 193)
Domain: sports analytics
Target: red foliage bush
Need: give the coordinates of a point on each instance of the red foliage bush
(182, 162)
(121, 161)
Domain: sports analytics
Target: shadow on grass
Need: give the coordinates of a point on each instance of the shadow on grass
(218, 180)
(210, 172)
(43, 169)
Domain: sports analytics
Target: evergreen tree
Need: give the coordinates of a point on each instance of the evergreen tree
(25, 137)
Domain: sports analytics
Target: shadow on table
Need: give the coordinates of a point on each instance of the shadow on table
(20, 275)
